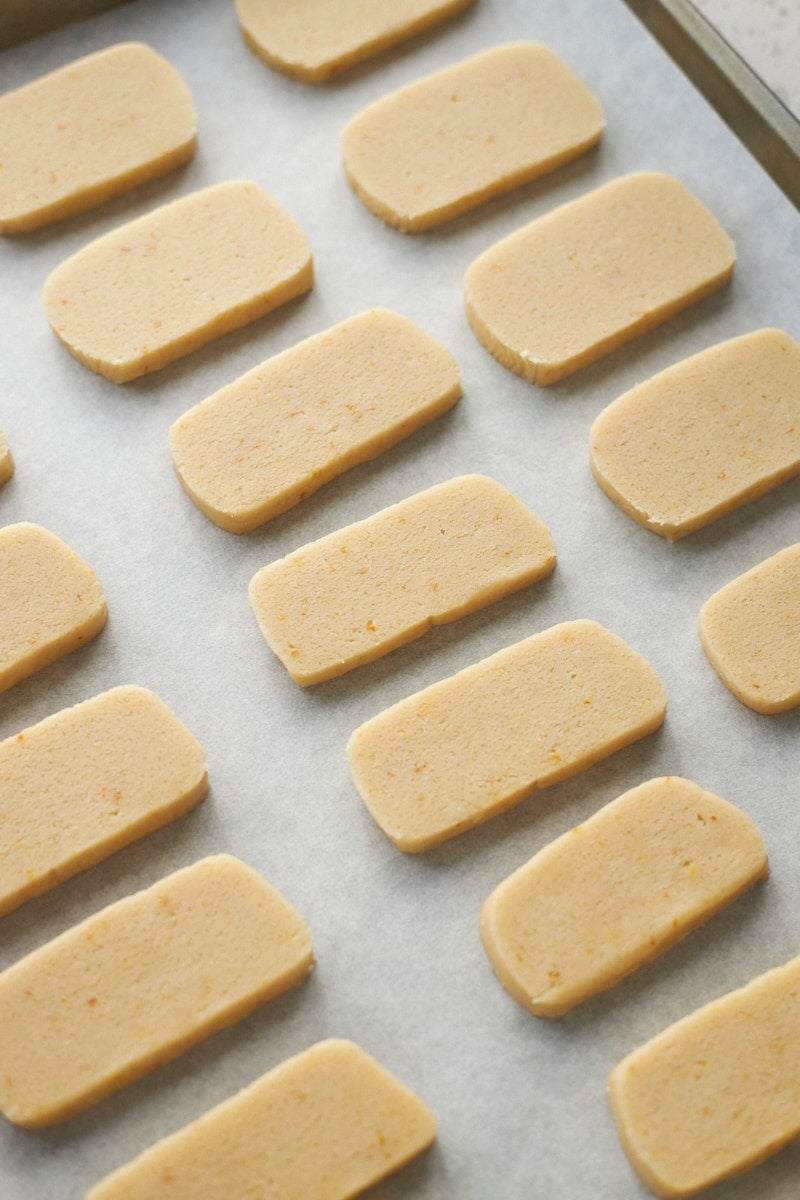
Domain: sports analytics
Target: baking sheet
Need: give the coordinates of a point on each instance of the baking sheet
(521, 1103)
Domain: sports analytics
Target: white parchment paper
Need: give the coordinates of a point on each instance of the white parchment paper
(520, 1102)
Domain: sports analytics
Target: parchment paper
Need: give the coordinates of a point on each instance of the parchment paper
(521, 1103)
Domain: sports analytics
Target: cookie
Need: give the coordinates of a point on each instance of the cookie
(6, 461)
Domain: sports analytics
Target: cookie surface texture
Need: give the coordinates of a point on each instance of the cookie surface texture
(273, 437)
(358, 593)
(616, 891)
(167, 283)
(704, 436)
(51, 601)
(140, 982)
(472, 746)
(89, 131)
(314, 39)
(326, 1124)
(581, 280)
(750, 632)
(6, 461)
(87, 781)
(438, 147)
(716, 1093)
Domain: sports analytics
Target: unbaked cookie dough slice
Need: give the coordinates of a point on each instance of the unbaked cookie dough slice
(472, 746)
(275, 436)
(87, 132)
(439, 147)
(617, 891)
(716, 1093)
(326, 1124)
(140, 982)
(315, 40)
(51, 601)
(87, 781)
(750, 630)
(358, 593)
(164, 285)
(581, 280)
(6, 461)
(704, 436)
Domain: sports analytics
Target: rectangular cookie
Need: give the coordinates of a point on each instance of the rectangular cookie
(446, 143)
(276, 435)
(86, 782)
(616, 891)
(717, 1092)
(324, 1125)
(358, 593)
(89, 131)
(51, 601)
(140, 982)
(165, 284)
(588, 276)
(463, 750)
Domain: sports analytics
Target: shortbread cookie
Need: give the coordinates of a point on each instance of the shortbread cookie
(438, 147)
(578, 282)
(617, 891)
(280, 432)
(87, 132)
(163, 285)
(704, 436)
(51, 601)
(751, 633)
(87, 781)
(457, 753)
(140, 982)
(314, 39)
(6, 461)
(716, 1093)
(323, 1125)
(355, 595)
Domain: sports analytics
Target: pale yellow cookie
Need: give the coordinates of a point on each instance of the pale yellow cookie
(167, 283)
(51, 601)
(438, 147)
(315, 39)
(87, 781)
(465, 749)
(704, 436)
(750, 630)
(716, 1093)
(358, 593)
(6, 461)
(275, 436)
(323, 1125)
(140, 982)
(581, 280)
(87, 132)
(617, 891)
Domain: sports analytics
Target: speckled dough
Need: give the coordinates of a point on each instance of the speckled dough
(717, 1092)
(87, 132)
(275, 436)
(578, 282)
(163, 285)
(355, 595)
(442, 145)
(140, 982)
(51, 601)
(616, 891)
(87, 781)
(704, 436)
(457, 753)
(314, 39)
(6, 461)
(324, 1125)
(750, 631)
